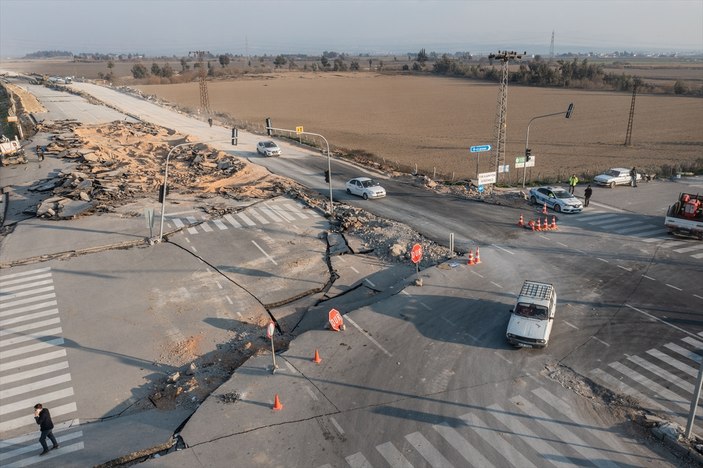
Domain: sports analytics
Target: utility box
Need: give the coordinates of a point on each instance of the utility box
(531, 320)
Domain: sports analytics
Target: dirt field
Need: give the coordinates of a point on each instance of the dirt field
(432, 121)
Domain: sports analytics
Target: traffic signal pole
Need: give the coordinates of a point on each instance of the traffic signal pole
(528, 151)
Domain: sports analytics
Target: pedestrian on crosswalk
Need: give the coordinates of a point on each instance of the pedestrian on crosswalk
(587, 195)
(46, 426)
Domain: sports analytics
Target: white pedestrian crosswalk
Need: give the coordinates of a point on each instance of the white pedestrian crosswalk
(33, 369)
(662, 380)
(285, 211)
(634, 226)
(534, 429)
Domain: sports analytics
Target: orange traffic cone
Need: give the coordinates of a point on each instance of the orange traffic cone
(532, 224)
(554, 222)
(277, 405)
(317, 359)
(471, 258)
(478, 257)
(544, 208)
(539, 225)
(521, 223)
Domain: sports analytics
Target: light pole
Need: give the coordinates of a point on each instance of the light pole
(567, 114)
(163, 200)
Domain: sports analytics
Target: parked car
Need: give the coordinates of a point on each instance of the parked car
(556, 198)
(268, 148)
(532, 317)
(365, 187)
(615, 176)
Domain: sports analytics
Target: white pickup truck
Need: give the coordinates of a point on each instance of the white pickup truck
(531, 320)
(685, 217)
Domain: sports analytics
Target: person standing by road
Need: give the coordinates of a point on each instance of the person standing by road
(633, 177)
(573, 180)
(587, 195)
(46, 426)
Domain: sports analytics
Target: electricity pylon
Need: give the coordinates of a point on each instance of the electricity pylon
(204, 98)
(628, 134)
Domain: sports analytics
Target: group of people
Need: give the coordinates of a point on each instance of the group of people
(573, 180)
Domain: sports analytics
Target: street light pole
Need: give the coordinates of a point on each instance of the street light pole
(567, 114)
(163, 201)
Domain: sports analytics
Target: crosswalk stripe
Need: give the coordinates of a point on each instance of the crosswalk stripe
(232, 221)
(635, 226)
(29, 308)
(668, 376)
(393, 455)
(26, 293)
(664, 393)
(257, 215)
(674, 243)
(673, 362)
(690, 249)
(536, 442)
(246, 219)
(19, 363)
(35, 459)
(693, 342)
(192, 220)
(614, 383)
(358, 460)
(592, 454)
(462, 446)
(206, 227)
(58, 427)
(24, 273)
(4, 283)
(25, 318)
(29, 326)
(7, 379)
(654, 239)
(22, 405)
(268, 212)
(220, 224)
(660, 230)
(427, 450)
(296, 209)
(27, 300)
(684, 352)
(603, 219)
(60, 438)
(586, 217)
(699, 255)
(178, 223)
(28, 419)
(31, 348)
(18, 287)
(30, 387)
(615, 224)
(30, 336)
(494, 438)
(282, 213)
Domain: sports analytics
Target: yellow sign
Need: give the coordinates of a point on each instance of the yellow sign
(12, 118)
(298, 129)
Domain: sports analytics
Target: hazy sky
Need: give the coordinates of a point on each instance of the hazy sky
(285, 26)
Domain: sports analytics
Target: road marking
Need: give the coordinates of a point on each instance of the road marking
(206, 227)
(29, 326)
(648, 277)
(30, 387)
(696, 295)
(187, 240)
(336, 425)
(393, 455)
(229, 300)
(504, 250)
(290, 367)
(496, 285)
(659, 320)
(23, 273)
(25, 285)
(684, 352)
(624, 268)
(27, 317)
(58, 427)
(562, 244)
(62, 439)
(461, 445)
(603, 260)
(673, 287)
(311, 393)
(26, 293)
(424, 305)
(355, 270)
(269, 212)
(405, 292)
(31, 348)
(613, 382)
(263, 252)
(28, 308)
(256, 215)
(502, 357)
(502, 445)
(662, 392)
(30, 336)
(700, 255)
(637, 226)
(427, 450)
(600, 341)
(357, 460)
(218, 284)
(673, 362)
(6, 379)
(544, 237)
(689, 249)
(232, 221)
(194, 249)
(11, 305)
(668, 376)
(220, 224)
(192, 220)
(296, 210)
(569, 324)
(27, 403)
(609, 225)
(448, 321)
(35, 459)
(246, 219)
(280, 211)
(369, 337)
(19, 363)
(477, 274)
(693, 342)
(369, 281)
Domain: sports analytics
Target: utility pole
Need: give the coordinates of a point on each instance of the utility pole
(628, 134)
(204, 98)
(500, 130)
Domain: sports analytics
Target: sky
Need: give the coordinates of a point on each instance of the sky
(257, 27)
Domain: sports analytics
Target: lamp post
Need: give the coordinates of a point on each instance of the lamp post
(163, 200)
(567, 114)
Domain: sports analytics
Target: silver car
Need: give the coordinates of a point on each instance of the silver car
(556, 198)
(366, 188)
(615, 176)
(268, 148)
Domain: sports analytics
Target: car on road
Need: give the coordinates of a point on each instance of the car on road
(615, 176)
(365, 187)
(556, 198)
(268, 148)
(532, 317)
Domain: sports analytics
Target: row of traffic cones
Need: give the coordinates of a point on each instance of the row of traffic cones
(539, 226)
(277, 405)
(474, 260)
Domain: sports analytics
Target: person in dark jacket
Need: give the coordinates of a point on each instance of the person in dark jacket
(587, 195)
(46, 426)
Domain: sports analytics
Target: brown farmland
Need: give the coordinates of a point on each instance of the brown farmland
(432, 121)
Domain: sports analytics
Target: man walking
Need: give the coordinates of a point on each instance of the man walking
(46, 425)
(587, 195)
(573, 180)
(633, 177)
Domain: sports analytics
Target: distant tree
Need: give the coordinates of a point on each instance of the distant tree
(279, 61)
(314, 67)
(406, 67)
(339, 65)
(325, 62)
(370, 64)
(224, 60)
(110, 64)
(291, 64)
(380, 64)
(680, 87)
(210, 69)
(184, 65)
(417, 66)
(139, 71)
(422, 56)
(354, 66)
(155, 69)
(167, 71)
(443, 65)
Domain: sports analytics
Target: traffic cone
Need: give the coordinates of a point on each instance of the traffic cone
(554, 222)
(471, 258)
(532, 224)
(478, 257)
(277, 405)
(521, 223)
(539, 225)
(317, 359)
(544, 208)
(545, 226)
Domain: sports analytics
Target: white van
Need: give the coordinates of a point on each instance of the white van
(531, 320)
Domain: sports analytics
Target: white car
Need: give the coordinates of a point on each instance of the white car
(556, 198)
(366, 188)
(268, 148)
(615, 176)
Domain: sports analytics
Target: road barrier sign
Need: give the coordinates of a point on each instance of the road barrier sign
(335, 319)
(487, 178)
(480, 148)
(416, 253)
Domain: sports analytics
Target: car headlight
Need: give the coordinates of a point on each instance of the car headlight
(510, 335)
(541, 341)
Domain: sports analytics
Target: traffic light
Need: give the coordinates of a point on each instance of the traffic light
(528, 154)
(570, 110)
(327, 176)
(162, 193)
(269, 132)
(235, 134)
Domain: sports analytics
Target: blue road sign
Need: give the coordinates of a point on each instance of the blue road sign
(480, 148)
(480, 189)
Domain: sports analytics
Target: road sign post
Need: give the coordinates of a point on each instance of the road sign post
(335, 319)
(416, 256)
(270, 330)
(479, 149)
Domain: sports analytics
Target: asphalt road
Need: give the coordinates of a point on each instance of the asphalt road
(425, 377)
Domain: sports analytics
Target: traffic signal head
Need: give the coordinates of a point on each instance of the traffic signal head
(528, 154)
(327, 176)
(269, 132)
(569, 111)
(235, 134)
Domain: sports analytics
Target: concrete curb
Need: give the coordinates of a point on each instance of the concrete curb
(677, 447)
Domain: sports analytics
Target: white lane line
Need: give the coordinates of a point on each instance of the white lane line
(29, 349)
(246, 219)
(603, 260)
(31, 387)
(252, 211)
(562, 244)
(699, 297)
(371, 338)
(673, 287)
(336, 425)
(648, 277)
(311, 393)
(369, 281)
(19, 363)
(229, 300)
(544, 237)
(27, 403)
(355, 270)
(405, 292)
(290, 367)
(504, 250)
(17, 287)
(218, 284)
(194, 249)
(222, 226)
(502, 357)
(496, 285)
(448, 321)
(269, 212)
(461, 445)
(232, 221)
(30, 336)
(6, 379)
(11, 305)
(393, 455)
(264, 252)
(428, 451)
(477, 274)
(24, 273)
(29, 308)
(25, 293)
(569, 324)
(357, 460)
(27, 317)
(600, 341)
(424, 305)
(624, 268)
